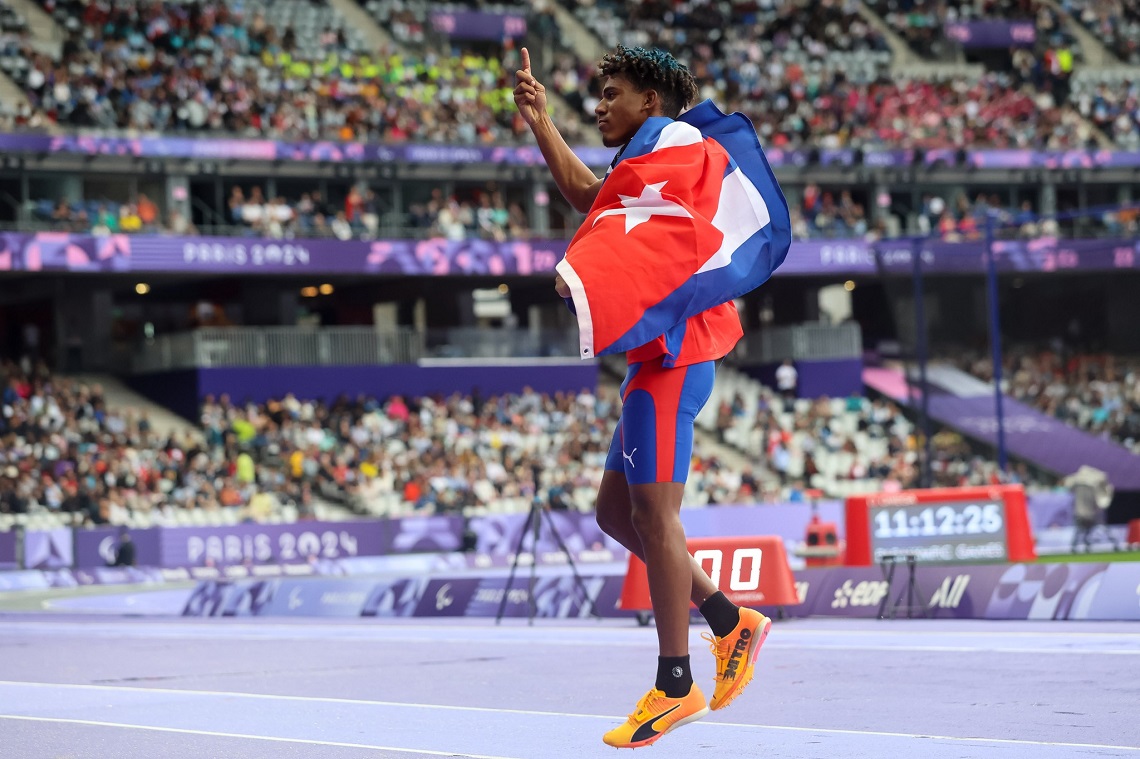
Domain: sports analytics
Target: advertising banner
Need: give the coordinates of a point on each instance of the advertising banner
(556, 597)
(235, 544)
(95, 547)
(498, 534)
(48, 549)
(62, 251)
(225, 551)
(978, 34)
(476, 25)
(214, 148)
(269, 543)
(437, 533)
(1091, 591)
(1116, 595)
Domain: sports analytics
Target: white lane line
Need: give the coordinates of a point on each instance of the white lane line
(510, 632)
(953, 738)
(271, 738)
(789, 640)
(781, 645)
(383, 627)
(560, 715)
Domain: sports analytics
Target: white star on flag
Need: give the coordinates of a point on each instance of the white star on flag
(638, 210)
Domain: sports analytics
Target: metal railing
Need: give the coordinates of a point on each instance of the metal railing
(344, 346)
(803, 342)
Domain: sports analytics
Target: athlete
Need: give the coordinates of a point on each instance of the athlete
(639, 499)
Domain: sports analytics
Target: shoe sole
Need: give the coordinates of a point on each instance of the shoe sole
(649, 742)
(758, 638)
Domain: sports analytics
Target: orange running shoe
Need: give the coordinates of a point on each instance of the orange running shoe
(736, 655)
(655, 715)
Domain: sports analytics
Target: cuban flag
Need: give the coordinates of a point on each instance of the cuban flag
(691, 217)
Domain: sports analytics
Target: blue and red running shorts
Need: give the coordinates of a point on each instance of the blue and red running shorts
(653, 441)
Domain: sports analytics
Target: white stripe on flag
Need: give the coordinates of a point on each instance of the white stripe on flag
(581, 308)
(676, 135)
(741, 213)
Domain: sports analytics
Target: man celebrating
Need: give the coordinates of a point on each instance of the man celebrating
(688, 218)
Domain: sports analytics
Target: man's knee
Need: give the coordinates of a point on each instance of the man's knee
(655, 508)
(610, 521)
(648, 518)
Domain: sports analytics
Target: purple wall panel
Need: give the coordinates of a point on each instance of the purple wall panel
(1039, 438)
(837, 378)
(1019, 591)
(261, 383)
(7, 550)
(518, 155)
(992, 33)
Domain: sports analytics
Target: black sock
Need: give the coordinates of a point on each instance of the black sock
(674, 676)
(721, 614)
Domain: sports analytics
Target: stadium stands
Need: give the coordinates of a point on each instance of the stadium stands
(837, 446)
(70, 460)
(483, 214)
(1115, 23)
(1097, 393)
(1111, 101)
(289, 68)
(808, 74)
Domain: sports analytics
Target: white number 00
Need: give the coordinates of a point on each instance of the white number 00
(735, 581)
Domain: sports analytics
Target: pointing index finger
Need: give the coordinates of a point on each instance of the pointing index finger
(526, 60)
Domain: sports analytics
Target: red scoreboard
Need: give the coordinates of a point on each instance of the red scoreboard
(946, 525)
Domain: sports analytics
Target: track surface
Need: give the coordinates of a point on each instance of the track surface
(79, 687)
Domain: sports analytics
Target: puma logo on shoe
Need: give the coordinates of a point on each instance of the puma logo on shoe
(648, 729)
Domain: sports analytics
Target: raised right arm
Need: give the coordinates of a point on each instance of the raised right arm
(575, 180)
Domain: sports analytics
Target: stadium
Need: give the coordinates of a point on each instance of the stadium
(303, 454)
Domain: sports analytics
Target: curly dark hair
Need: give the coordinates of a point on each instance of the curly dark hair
(653, 69)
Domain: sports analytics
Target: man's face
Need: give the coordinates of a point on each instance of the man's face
(621, 111)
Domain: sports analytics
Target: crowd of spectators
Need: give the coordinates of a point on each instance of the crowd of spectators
(488, 217)
(959, 219)
(1113, 105)
(243, 69)
(65, 451)
(481, 214)
(484, 213)
(1116, 23)
(820, 214)
(808, 74)
(921, 23)
(840, 445)
(839, 213)
(438, 454)
(99, 217)
(1096, 393)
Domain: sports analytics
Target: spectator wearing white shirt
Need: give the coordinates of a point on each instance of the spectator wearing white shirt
(787, 380)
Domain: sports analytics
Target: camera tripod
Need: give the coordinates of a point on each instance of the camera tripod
(533, 525)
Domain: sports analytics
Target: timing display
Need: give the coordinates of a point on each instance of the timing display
(941, 532)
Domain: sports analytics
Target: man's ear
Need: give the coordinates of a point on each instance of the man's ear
(652, 101)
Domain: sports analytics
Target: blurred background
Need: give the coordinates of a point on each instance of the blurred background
(272, 261)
